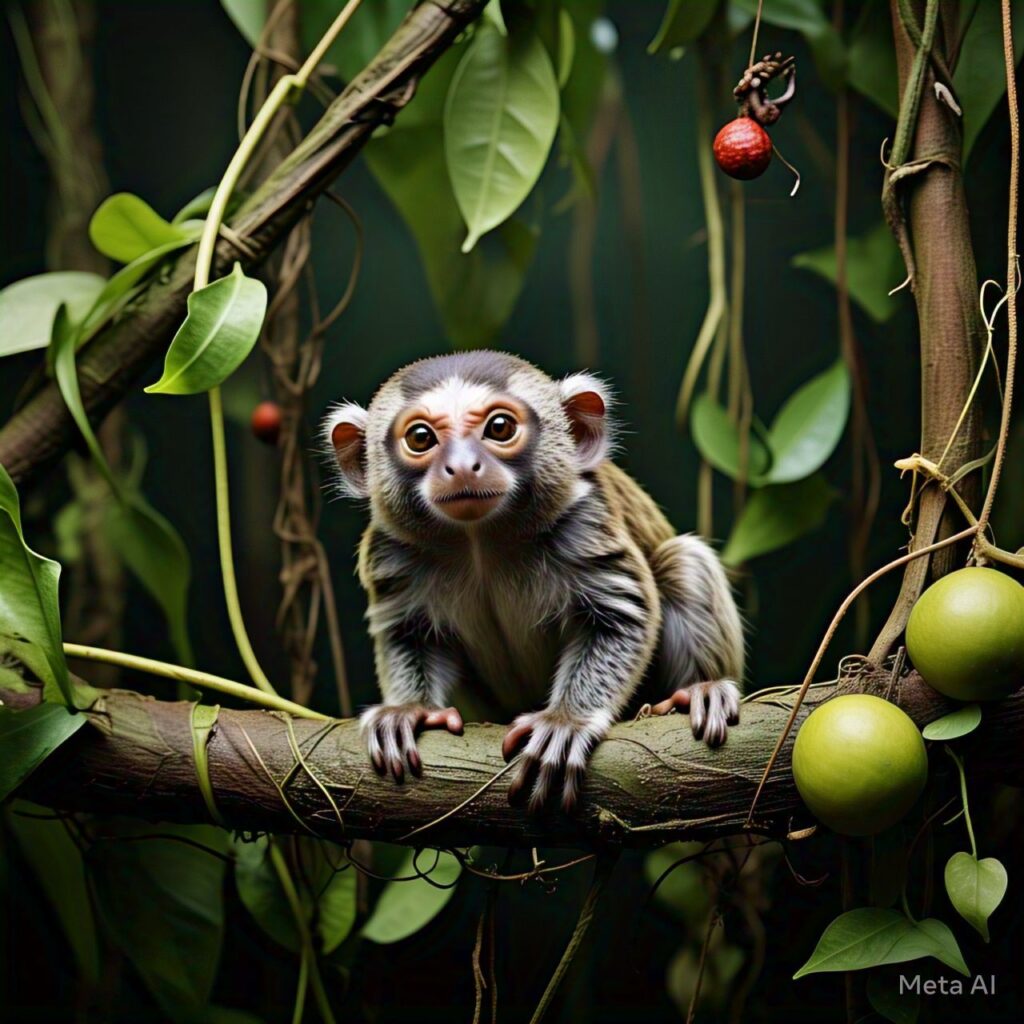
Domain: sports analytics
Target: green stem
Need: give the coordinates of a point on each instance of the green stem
(305, 937)
(193, 677)
(287, 88)
(963, 797)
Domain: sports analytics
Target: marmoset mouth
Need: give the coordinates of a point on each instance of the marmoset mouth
(468, 495)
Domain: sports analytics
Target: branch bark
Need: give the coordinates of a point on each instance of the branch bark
(945, 287)
(42, 430)
(650, 782)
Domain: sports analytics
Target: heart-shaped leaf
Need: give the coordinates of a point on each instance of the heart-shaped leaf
(873, 268)
(871, 936)
(776, 516)
(872, 58)
(886, 999)
(954, 725)
(223, 323)
(404, 907)
(29, 737)
(29, 609)
(249, 17)
(28, 307)
(125, 227)
(500, 119)
(808, 427)
(975, 888)
(718, 439)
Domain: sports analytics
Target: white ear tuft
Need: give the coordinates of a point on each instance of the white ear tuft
(344, 433)
(586, 400)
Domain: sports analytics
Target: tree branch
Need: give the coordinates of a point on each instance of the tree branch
(650, 782)
(42, 430)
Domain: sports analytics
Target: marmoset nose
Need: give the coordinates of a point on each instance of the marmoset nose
(452, 467)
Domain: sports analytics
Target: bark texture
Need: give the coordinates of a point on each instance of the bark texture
(650, 782)
(113, 361)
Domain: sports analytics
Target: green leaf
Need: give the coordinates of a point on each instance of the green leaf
(28, 307)
(249, 17)
(776, 516)
(29, 737)
(125, 227)
(500, 119)
(157, 557)
(718, 439)
(566, 47)
(199, 206)
(684, 892)
(404, 907)
(978, 81)
(682, 22)
(954, 725)
(975, 888)
(873, 268)
(872, 58)
(29, 609)
(808, 18)
(871, 936)
(57, 864)
(808, 427)
(889, 1002)
(223, 323)
(327, 895)
(161, 902)
(474, 293)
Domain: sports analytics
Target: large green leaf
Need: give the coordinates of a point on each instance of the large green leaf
(954, 725)
(29, 609)
(57, 864)
(327, 895)
(162, 904)
(681, 23)
(28, 307)
(975, 888)
(873, 268)
(886, 999)
(872, 57)
(500, 119)
(474, 293)
(29, 737)
(125, 227)
(809, 19)
(249, 17)
(776, 516)
(404, 907)
(978, 81)
(871, 936)
(361, 39)
(718, 439)
(222, 326)
(808, 427)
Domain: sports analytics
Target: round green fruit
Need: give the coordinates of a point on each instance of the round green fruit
(966, 635)
(859, 764)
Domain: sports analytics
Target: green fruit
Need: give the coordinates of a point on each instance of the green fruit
(859, 764)
(966, 635)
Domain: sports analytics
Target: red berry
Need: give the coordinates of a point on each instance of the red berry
(266, 422)
(743, 149)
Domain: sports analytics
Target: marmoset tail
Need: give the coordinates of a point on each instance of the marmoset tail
(505, 549)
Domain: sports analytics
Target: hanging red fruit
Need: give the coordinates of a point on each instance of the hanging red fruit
(743, 149)
(266, 422)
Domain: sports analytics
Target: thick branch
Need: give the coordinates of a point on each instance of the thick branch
(114, 360)
(648, 783)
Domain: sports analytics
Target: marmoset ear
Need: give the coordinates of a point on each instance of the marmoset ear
(586, 399)
(345, 434)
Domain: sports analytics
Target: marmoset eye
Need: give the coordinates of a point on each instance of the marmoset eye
(419, 438)
(501, 427)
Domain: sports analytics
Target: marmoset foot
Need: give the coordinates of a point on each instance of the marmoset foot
(390, 731)
(713, 707)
